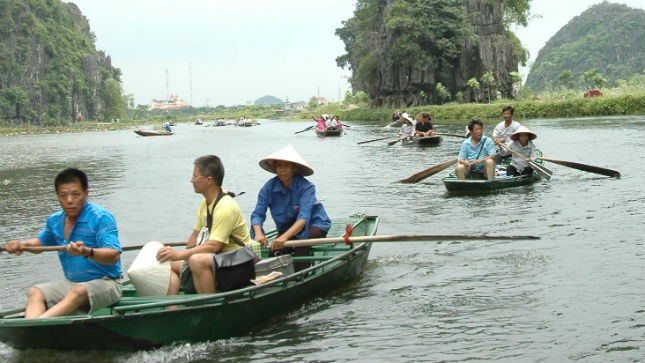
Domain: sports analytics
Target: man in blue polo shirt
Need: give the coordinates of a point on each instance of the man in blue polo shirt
(477, 154)
(90, 259)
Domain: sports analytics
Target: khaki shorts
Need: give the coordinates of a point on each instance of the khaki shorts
(101, 292)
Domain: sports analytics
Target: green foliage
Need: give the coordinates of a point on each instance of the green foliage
(607, 38)
(442, 93)
(51, 41)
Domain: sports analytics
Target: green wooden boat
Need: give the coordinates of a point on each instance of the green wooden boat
(456, 185)
(143, 322)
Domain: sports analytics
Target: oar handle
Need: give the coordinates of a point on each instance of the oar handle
(63, 248)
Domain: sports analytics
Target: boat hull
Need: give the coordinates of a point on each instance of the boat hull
(454, 184)
(329, 132)
(152, 133)
(144, 322)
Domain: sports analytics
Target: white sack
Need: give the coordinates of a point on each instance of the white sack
(148, 275)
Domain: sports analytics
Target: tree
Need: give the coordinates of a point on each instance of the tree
(442, 92)
(473, 84)
(566, 78)
(487, 79)
(593, 79)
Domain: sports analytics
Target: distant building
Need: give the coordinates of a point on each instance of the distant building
(322, 101)
(172, 103)
(294, 106)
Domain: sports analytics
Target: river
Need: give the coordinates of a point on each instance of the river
(576, 294)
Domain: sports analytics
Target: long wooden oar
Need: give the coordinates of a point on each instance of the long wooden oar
(542, 170)
(455, 135)
(379, 139)
(307, 129)
(428, 172)
(63, 248)
(401, 238)
(584, 167)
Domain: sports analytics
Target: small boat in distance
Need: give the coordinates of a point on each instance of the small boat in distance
(153, 133)
(423, 141)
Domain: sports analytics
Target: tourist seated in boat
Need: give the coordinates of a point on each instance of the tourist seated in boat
(321, 121)
(166, 127)
(91, 259)
(477, 154)
(407, 129)
(333, 123)
(424, 126)
(291, 199)
(523, 145)
(503, 131)
(219, 222)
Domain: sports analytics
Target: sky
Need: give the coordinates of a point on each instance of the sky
(215, 52)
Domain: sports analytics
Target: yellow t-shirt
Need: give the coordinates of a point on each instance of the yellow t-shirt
(227, 220)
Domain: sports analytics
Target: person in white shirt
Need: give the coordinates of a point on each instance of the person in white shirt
(503, 131)
(407, 129)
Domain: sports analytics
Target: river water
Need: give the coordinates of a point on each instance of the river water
(577, 294)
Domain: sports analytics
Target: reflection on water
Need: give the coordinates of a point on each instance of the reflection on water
(575, 294)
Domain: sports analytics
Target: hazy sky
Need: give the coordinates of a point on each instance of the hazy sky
(215, 52)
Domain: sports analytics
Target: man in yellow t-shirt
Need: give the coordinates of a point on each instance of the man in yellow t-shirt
(219, 221)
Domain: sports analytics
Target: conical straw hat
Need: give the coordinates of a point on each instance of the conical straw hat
(522, 130)
(287, 153)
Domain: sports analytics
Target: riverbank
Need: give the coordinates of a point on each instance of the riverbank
(448, 114)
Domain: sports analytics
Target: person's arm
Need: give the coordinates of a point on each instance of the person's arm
(16, 247)
(295, 228)
(258, 216)
(103, 255)
(463, 156)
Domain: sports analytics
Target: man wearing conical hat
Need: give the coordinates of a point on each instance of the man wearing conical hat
(522, 145)
(291, 198)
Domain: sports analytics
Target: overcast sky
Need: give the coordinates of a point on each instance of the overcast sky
(212, 52)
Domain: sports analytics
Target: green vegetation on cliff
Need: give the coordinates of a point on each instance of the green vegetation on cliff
(603, 46)
(50, 69)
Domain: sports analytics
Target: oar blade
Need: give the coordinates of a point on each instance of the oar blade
(585, 167)
(393, 142)
(540, 169)
(307, 129)
(428, 172)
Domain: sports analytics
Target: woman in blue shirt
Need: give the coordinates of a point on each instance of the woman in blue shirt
(291, 198)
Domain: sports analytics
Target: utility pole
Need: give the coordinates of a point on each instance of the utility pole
(190, 80)
(167, 94)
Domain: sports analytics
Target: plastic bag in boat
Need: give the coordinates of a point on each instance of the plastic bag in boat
(149, 276)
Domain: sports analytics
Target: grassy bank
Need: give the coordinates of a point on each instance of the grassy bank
(455, 113)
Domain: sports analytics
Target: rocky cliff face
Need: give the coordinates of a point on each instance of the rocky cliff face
(49, 67)
(489, 49)
(485, 48)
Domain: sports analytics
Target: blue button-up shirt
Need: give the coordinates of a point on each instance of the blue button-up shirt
(484, 148)
(288, 205)
(96, 227)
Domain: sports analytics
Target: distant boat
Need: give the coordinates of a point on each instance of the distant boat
(153, 133)
(423, 141)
